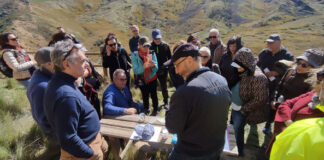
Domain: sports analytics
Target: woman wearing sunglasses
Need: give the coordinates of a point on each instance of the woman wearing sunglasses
(301, 107)
(16, 58)
(145, 67)
(294, 81)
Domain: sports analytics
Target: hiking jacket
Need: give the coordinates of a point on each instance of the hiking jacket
(254, 89)
(267, 60)
(295, 109)
(198, 113)
(138, 64)
(294, 85)
(117, 60)
(73, 119)
(162, 52)
(20, 67)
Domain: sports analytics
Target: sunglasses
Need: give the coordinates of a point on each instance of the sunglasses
(14, 39)
(210, 37)
(77, 46)
(205, 57)
(147, 46)
(122, 79)
(304, 65)
(112, 45)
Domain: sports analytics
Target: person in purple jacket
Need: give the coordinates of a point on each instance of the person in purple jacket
(117, 98)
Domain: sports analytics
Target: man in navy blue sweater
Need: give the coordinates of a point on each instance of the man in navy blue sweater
(37, 86)
(35, 94)
(73, 119)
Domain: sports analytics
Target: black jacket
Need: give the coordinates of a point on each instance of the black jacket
(116, 60)
(198, 113)
(230, 73)
(162, 52)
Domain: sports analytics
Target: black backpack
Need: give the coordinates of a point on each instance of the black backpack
(4, 68)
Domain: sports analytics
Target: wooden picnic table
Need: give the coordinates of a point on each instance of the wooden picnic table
(123, 127)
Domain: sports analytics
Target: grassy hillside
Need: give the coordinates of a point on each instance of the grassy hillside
(91, 20)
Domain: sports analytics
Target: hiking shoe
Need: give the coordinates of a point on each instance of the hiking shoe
(154, 113)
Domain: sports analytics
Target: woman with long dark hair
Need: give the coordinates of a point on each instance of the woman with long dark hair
(16, 58)
(233, 45)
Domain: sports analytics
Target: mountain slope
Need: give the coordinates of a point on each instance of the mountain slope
(91, 20)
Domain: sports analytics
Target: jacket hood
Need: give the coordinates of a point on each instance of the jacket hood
(245, 58)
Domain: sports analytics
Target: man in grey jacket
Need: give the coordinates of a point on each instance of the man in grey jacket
(198, 109)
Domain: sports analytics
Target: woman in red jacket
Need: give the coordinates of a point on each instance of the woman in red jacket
(301, 107)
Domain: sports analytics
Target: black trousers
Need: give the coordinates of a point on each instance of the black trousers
(147, 90)
(162, 76)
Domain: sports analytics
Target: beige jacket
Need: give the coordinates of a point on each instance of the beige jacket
(20, 68)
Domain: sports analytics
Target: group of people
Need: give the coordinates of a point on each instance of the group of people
(62, 87)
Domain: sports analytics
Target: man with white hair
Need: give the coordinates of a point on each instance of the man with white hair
(216, 46)
(117, 98)
(73, 119)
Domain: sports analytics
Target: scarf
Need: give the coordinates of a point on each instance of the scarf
(147, 71)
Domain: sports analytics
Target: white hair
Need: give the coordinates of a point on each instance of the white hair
(118, 71)
(134, 26)
(214, 30)
(205, 49)
(58, 55)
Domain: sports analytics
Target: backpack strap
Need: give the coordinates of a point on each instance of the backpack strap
(284, 78)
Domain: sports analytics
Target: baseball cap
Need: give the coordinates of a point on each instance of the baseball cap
(273, 37)
(185, 50)
(43, 55)
(156, 34)
(144, 41)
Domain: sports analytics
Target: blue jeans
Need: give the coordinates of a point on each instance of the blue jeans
(239, 123)
(25, 83)
(175, 155)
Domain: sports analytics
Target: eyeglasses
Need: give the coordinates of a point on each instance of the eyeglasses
(304, 65)
(112, 45)
(210, 37)
(205, 57)
(123, 79)
(175, 65)
(14, 39)
(147, 46)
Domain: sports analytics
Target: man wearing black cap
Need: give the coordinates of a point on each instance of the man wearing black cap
(198, 109)
(163, 53)
(267, 57)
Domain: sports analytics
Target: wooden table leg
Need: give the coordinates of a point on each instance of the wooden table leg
(122, 155)
(115, 147)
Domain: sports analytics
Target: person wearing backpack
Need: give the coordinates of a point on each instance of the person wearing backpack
(16, 59)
